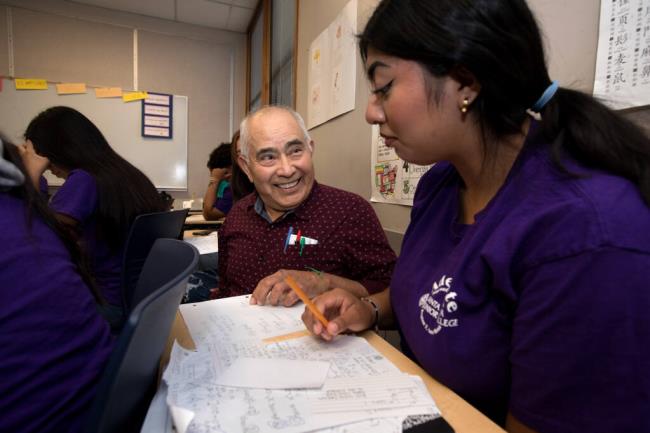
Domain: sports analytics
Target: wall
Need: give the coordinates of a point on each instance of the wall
(343, 144)
(64, 41)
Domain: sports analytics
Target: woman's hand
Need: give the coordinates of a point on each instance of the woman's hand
(35, 164)
(219, 174)
(344, 311)
(274, 290)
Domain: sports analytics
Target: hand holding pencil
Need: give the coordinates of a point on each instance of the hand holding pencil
(346, 313)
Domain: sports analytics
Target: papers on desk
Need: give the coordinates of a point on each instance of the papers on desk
(205, 244)
(362, 390)
(267, 374)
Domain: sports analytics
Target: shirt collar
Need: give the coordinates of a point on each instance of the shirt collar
(301, 212)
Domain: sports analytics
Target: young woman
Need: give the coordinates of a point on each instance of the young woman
(54, 343)
(523, 278)
(217, 200)
(101, 196)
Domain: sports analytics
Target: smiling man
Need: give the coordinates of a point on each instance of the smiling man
(324, 237)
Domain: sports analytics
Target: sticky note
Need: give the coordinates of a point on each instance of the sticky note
(133, 96)
(30, 84)
(70, 88)
(108, 92)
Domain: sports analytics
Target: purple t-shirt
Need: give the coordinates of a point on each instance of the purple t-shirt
(78, 198)
(53, 342)
(351, 242)
(224, 197)
(542, 306)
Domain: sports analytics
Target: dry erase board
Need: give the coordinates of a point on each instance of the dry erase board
(164, 161)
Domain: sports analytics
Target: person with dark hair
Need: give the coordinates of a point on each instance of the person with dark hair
(218, 196)
(101, 196)
(53, 344)
(523, 279)
(241, 185)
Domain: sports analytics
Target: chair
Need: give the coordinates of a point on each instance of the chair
(129, 379)
(146, 228)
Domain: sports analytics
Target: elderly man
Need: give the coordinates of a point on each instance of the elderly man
(322, 236)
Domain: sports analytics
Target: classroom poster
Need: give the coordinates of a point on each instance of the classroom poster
(393, 179)
(623, 59)
(331, 80)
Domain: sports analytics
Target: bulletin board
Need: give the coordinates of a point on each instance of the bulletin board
(163, 160)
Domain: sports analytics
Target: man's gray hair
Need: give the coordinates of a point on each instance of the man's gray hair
(244, 133)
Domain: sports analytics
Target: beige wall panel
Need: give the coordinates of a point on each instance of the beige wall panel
(67, 49)
(200, 71)
(4, 43)
(342, 155)
(570, 29)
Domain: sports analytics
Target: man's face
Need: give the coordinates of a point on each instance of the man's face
(279, 161)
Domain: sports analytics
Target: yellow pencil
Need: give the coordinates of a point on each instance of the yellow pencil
(304, 298)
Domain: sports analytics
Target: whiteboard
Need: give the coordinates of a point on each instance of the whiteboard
(164, 161)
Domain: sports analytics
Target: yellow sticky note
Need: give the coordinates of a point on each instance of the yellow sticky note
(108, 92)
(30, 84)
(133, 96)
(70, 88)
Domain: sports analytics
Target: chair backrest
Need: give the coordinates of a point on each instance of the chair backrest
(146, 228)
(129, 379)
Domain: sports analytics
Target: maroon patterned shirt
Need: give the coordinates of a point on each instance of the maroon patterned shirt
(351, 242)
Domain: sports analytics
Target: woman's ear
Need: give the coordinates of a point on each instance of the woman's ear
(468, 86)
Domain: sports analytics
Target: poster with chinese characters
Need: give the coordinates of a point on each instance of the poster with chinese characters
(393, 179)
(623, 60)
(332, 73)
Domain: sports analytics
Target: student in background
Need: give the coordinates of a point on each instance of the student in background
(217, 200)
(53, 344)
(523, 279)
(101, 196)
(240, 184)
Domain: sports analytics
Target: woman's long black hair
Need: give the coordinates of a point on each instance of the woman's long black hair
(499, 42)
(36, 205)
(239, 182)
(71, 141)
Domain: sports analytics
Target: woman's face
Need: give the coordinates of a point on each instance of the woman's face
(421, 129)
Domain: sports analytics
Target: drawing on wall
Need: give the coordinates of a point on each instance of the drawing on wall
(623, 60)
(394, 180)
(332, 68)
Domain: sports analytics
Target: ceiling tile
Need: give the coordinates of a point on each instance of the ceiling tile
(251, 4)
(239, 19)
(154, 8)
(203, 12)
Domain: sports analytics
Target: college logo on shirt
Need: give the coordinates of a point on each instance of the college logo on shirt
(437, 308)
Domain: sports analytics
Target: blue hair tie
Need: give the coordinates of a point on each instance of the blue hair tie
(546, 96)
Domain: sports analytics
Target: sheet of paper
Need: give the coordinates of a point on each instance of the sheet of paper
(30, 84)
(369, 393)
(235, 319)
(272, 374)
(133, 96)
(70, 88)
(205, 244)
(108, 92)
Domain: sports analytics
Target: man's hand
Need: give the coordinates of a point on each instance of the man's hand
(274, 290)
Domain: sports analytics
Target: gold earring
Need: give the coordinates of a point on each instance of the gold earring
(463, 109)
